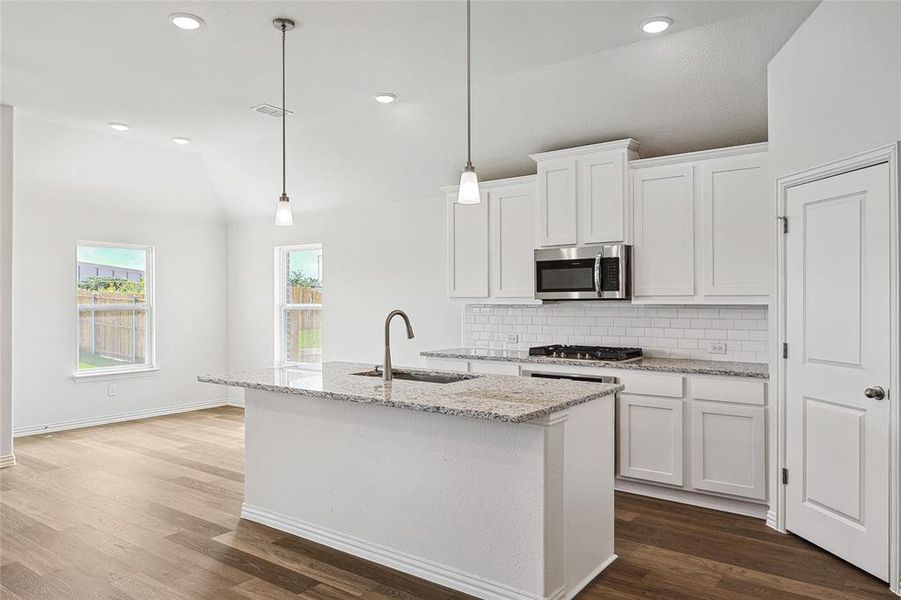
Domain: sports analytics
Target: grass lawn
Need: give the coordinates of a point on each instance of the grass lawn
(310, 338)
(86, 360)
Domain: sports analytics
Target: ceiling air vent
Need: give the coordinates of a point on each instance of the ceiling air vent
(269, 110)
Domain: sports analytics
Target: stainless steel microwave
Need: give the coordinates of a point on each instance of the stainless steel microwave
(584, 273)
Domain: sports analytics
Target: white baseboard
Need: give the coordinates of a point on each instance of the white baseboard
(116, 418)
(729, 505)
(8, 460)
(238, 402)
(582, 584)
(419, 567)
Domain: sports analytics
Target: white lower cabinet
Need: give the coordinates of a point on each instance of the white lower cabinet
(728, 448)
(650, 438)
(697, 435)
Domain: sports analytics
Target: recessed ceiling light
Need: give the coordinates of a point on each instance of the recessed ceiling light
(119, 126)
(186, 21)
(385, 97)
(181, 140)
(655, 24)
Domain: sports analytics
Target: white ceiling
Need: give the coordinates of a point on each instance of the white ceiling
(547, 75)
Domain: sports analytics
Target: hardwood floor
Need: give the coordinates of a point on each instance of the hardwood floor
(149, 510)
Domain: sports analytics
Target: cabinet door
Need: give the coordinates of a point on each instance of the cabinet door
(512, 211)
(557, 202)
(728, 454)
(663, 256)
(737, 214)
(650, 438)
(602, 197)
(467, 248)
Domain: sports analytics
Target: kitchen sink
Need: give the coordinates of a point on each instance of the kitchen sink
(416, 375)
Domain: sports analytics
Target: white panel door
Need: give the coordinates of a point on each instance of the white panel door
(663, 257)
(602, 197)
(737, 221)
(728, 453)
(838, 316)
(650, 438)
(557, 202)
(512, 235)
(467, 248)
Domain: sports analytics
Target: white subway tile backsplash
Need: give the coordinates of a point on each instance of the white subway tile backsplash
(669, 331)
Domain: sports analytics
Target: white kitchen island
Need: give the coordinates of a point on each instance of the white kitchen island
(501, 487)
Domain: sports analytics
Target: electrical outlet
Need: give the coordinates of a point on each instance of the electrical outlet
(512, 338)
(717, 348)
(112, 390)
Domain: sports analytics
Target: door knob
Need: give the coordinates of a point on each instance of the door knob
(876, 392)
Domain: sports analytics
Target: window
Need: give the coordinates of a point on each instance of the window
(114, 296)
(298, 335)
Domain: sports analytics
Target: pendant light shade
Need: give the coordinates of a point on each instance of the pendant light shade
(283, 214)
(468, 192)
(469, 187)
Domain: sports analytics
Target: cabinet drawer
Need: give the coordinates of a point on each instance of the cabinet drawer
(444, 364)
(729, 390)
(493, 368)
(670, 386)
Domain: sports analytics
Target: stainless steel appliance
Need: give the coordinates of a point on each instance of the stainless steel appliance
(607, 353)
(549, 375)
(589, 273)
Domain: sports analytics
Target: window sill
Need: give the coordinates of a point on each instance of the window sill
(103, 375)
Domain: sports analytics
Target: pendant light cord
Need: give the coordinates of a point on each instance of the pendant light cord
(284, 114)
(468, 86)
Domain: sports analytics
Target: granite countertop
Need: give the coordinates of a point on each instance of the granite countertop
(492, 397)
(671, 365)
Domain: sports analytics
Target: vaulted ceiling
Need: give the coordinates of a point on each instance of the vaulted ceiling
(546, 75)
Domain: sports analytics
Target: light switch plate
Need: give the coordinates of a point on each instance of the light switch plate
(112, 390)
(512, 338)
(717, 348)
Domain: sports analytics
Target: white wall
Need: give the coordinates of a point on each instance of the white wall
(834, 89)
(190, 306)
(374, 260)
(6, 246)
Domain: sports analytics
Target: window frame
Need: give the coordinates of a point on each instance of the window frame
(282, 306)
(149, 306)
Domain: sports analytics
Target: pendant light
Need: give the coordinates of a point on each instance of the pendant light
(469, 182)
(283, 216)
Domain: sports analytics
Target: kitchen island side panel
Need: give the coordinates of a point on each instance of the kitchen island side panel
(466, 495)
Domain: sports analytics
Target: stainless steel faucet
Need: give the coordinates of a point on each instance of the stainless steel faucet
(387, 375)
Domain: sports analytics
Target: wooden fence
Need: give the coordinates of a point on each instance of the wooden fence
(305, 295)
(303, 328)
(115, 334)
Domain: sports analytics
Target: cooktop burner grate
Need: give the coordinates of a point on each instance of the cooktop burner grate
(611, 353)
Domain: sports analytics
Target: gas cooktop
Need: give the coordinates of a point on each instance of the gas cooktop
(610, 353)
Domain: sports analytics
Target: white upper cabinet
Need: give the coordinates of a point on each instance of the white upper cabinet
(583, 194)
(512, 234)
(703, 227)
(663, 257)
(602, 197)
(737, 225)
(467, 248)
(490, 245)
(557, 207)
